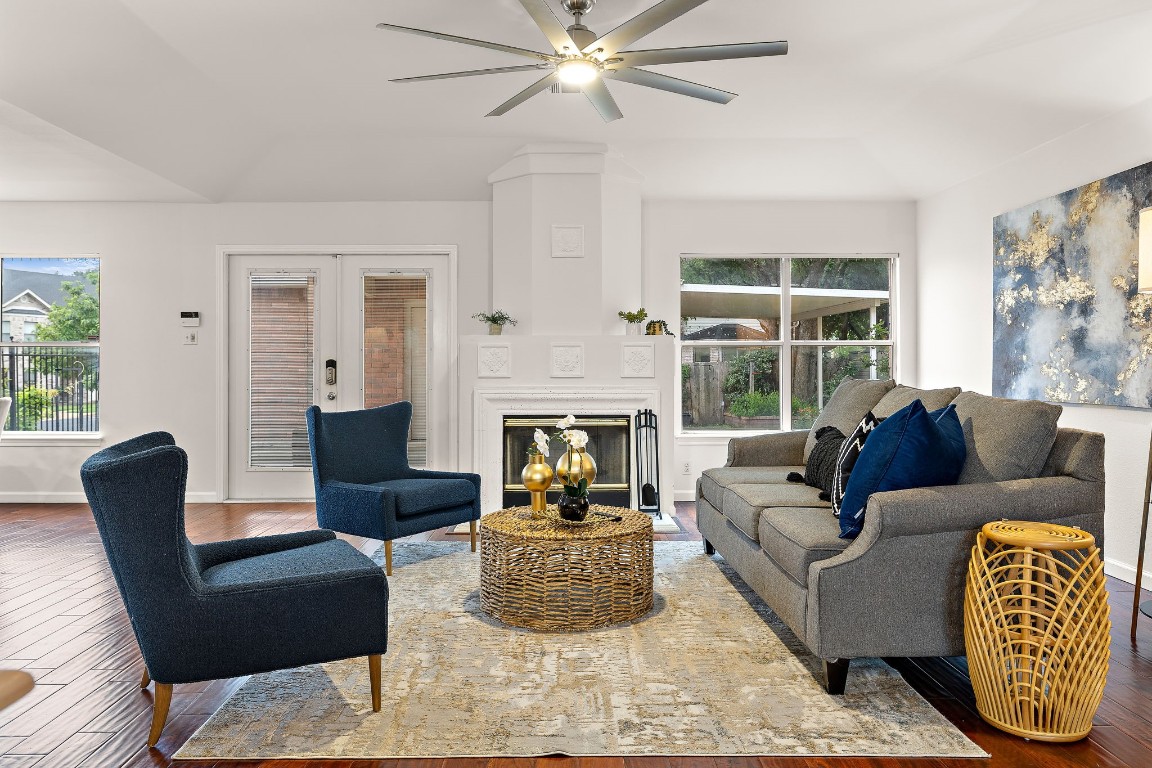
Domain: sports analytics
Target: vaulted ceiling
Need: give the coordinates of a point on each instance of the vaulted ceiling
(289, 100)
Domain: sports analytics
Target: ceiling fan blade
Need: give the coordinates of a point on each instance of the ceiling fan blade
(672, 84)
(471, 73)
(556, 33)
(598, 94)
(701, 53)
(470, 41)
(638, 26)
(540, 85)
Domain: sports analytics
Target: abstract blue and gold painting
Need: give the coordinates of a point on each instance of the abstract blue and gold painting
(1068, 325)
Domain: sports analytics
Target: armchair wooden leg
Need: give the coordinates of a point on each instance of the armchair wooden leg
(161, 699)
(144, 680)
(374, 673)
(836, 675)
(388, 558)
(472, 533)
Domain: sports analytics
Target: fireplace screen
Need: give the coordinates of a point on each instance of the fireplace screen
(607, 445)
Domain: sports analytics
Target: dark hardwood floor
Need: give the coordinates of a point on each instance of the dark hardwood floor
(62, 620)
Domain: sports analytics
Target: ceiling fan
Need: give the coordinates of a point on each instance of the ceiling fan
(583, 60)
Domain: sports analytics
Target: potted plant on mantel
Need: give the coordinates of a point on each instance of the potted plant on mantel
(496, 320)
(634, 320)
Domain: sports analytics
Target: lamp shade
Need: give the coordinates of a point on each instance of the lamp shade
(1144, 281)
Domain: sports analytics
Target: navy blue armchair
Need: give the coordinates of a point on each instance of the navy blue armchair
(365, 487)
(229, 608)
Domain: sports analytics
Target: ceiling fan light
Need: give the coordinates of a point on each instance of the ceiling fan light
(577, 71)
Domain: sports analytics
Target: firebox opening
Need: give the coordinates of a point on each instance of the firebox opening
(608, 445)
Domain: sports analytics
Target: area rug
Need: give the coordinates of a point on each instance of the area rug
(710, 671)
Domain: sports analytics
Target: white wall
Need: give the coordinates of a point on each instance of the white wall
(159, 259)
(675, 227)
(955, 288)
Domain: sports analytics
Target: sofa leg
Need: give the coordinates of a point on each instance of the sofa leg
(835, 675)
(708, 548)
(472, 534)
(388, 558)
(144, 680)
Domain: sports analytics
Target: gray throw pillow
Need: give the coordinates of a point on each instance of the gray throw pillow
(848, 404)
(902, 397)
(1006, 439)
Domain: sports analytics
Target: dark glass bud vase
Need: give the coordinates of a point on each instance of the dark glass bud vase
(572, 507)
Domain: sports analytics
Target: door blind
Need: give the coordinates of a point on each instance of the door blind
(396, 351)
(282, 341)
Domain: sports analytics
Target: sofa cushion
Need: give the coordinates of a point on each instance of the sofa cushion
(1006, 439)
(796, 537)
(821, 467)
(848, 404)
(902, 396)
(743, 503)
(418, 496)
(846, 459)
(912, 448)
(714, 481)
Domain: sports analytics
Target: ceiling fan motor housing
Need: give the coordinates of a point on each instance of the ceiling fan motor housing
(577, 6)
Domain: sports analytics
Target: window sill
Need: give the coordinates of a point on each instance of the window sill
(41, 439)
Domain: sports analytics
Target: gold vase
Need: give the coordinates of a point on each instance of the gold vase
(537, 478)
(583, 466)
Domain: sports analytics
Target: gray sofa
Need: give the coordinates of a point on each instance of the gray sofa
(897, 589)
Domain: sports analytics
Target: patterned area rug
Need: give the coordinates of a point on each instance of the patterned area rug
(710, 671)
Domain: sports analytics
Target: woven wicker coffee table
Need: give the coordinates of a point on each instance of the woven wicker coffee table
(542, 574)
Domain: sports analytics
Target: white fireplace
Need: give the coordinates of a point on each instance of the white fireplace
(565, 259)
(491, 406)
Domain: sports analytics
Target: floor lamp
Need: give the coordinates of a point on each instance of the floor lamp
(1144, 285)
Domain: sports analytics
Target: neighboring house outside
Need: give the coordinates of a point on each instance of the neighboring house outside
(26, 297)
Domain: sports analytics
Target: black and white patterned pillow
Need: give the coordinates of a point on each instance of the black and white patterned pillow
(846, 459)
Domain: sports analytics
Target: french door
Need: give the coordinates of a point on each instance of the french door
(341, 332)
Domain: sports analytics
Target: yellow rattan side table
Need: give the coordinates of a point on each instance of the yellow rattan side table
(1036, 629)
(539, 573)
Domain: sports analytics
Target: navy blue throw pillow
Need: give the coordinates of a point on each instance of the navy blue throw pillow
(912, 448)
(846, 459)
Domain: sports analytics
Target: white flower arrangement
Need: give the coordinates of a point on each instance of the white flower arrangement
(541, 439)
(566, 422)
(577, 438)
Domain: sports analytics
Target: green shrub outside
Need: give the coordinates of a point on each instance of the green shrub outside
(32, 403)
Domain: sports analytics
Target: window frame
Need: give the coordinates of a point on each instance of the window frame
(49, 437)
(785, 344)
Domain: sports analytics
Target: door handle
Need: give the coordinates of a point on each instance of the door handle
(331, 395)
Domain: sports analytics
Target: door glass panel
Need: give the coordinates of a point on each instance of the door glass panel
(396, 351)
(281, 363)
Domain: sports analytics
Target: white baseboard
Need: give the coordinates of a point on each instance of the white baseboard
(1126, 572)
(78, 497)
(684, 495)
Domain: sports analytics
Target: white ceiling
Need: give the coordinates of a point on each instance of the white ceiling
(289, 100)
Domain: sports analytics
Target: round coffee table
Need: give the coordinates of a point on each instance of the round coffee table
(540, 573)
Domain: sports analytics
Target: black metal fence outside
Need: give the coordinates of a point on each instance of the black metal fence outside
(54, 387)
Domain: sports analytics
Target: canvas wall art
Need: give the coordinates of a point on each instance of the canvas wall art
(1068, 324)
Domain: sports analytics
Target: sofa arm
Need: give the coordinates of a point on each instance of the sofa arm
(778, 449)
(898, 589)
(924, 511)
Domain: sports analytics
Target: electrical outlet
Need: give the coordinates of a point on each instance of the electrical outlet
(191, 337)
(687, 469)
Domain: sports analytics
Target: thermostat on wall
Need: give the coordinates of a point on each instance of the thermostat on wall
(190, 319)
